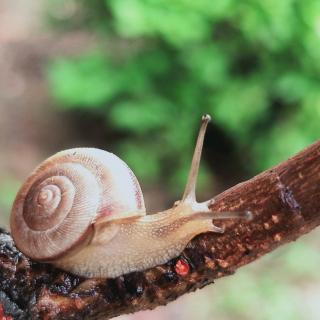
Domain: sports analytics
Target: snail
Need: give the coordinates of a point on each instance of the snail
(83, 211)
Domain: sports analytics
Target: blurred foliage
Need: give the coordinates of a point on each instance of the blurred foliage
(159, 65)
(8, 190)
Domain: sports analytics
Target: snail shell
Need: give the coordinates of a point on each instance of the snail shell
(57, 206)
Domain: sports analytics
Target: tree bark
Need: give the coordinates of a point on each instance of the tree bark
(285, 202)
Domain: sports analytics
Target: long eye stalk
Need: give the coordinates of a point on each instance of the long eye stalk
(190, 190)
(189, 195)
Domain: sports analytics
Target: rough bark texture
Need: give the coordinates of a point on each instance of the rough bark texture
(285, 201)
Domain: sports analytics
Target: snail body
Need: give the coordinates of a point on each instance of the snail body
(134, 244)
(83, 211)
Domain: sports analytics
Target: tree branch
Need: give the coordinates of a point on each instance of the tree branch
(285, 201)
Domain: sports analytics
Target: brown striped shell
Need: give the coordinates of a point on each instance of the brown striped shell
(61, 200)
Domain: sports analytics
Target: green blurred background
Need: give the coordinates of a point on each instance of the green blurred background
(135, 76)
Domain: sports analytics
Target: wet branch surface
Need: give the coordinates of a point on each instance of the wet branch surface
(285, 201)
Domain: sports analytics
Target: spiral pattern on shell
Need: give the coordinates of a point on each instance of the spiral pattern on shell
(57, 206)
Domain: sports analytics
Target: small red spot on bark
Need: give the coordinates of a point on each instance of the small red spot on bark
(1, 311)
(3, 316)
(182, 267)
(79, 303)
